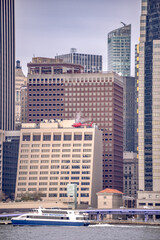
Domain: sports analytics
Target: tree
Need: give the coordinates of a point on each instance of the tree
(33, 196)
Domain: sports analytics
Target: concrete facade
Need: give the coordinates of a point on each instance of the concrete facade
(55, 154)
(109, 198)
(130, 174)
(20, 80)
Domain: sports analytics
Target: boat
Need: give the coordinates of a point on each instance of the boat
(56, 217)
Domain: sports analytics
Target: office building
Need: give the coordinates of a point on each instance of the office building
(90, 62)
(53, 154)
(130, 174)
(2, 134)
(149, 105)
(10, 161)
(129, 103)
(119, 50)
(96, 97)
(20, 80)
(23, 102)
(136, 96)
(7, 65)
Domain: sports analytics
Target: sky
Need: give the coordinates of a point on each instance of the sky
(45, 28)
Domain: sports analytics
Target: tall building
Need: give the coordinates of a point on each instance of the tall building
(149, 104)
(23, 102)
(129, 103)
(20, 80)
(97, 97)
(54, 154)
(130, 174)
(90, 62)
(10, 161)
(119, 50)
(2, 137)
(7, 65)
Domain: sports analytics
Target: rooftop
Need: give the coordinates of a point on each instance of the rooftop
(110, 190)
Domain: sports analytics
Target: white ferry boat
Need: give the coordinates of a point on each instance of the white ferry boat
(57, 217)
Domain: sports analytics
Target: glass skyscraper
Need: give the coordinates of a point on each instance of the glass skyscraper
(7, 65)
(119, 50)
(149, 101)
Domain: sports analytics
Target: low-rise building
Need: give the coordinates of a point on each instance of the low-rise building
(109, 198)
(54, 154)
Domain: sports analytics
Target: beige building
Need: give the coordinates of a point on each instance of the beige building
(148, 199)
(53, 154)
(149, 104)
(20, 80)
(130, 174)
(109, 198)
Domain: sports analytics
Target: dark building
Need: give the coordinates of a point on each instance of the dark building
(10, 160)
(90, 62)
(119, 50)
(149, 104)
(7, 65)
(129, 103)
(96, 97)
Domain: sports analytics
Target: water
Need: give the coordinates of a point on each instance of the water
(106, 232)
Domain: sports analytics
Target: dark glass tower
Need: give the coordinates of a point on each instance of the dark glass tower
(149, 97)
(7, 64)
(119, 50)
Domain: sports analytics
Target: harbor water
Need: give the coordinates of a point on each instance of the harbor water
(93, 232)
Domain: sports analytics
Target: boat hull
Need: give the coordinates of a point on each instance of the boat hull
(48, 223)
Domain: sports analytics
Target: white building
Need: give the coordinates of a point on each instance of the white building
(54, 154)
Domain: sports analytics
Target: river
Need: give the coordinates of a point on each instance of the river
(100, 232)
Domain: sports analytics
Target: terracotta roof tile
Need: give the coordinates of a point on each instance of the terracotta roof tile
(110, 190)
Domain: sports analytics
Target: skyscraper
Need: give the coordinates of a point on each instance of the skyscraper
(119, 50)
(90, 62)
(149, 104)
(7, 64)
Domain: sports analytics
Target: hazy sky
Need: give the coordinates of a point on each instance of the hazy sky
(46, 28)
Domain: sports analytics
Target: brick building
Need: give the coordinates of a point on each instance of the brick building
(97, 97)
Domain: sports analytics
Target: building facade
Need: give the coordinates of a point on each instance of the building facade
(96, 97)
(119, 50)
(90, 62)
(54, 154)
(23, 102)
(130, 112)
(20, 80)
(149, 99)
(7, 65)
(2, 137)
(130, 174)
(10, 161)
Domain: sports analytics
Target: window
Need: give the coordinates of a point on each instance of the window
(26, 137)
(87, 136)
(67, 137)
(36, 137)
(77, 137)
(56, 137)
(46, 137)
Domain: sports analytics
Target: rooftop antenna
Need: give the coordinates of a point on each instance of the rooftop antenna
(123, 23)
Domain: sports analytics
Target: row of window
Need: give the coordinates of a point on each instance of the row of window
(57, 137)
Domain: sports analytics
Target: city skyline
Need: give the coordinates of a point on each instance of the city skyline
(82, 25)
